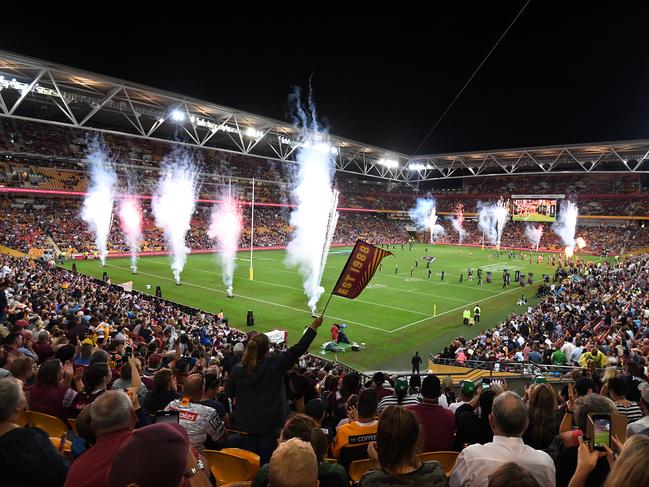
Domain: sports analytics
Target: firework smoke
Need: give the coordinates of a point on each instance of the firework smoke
(98, 203)
(173, 206)
(534, 234)
(458, 222)
(225, 228)
(314, 218)
(566, 225)
(424, 216)
(492, 220)
(130, 215)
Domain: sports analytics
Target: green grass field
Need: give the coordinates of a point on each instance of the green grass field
(393, 316)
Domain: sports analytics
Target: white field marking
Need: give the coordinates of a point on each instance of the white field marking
(343, 320)
(455, 309)
(301, 289)
(359, 300)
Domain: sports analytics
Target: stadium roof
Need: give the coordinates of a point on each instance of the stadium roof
(37, 90)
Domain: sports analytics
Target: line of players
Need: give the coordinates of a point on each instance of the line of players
(552, 260)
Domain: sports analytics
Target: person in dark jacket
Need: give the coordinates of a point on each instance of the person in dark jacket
(259, 380)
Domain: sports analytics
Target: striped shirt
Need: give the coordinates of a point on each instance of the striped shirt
(632, 411)
(393, 401)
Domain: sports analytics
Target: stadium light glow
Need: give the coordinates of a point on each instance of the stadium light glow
(255, 134)
(389, 163)
(178, 116)
(417, 166)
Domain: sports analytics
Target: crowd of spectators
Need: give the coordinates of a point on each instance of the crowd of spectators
(26, 224)
(50, 157)
(77, 348)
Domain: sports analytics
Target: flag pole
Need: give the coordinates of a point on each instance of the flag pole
(327, 304)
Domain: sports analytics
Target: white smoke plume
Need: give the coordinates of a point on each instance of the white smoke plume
(225, 228)
(424, 216)
(534, 234)
(458, 222)
(97, 208)
(130, 215)
(566, 225)
(492, 219)
(314, 217)
(173, 205)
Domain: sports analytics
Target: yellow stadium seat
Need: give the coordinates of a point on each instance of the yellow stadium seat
(232, 467)
(22, 419)
(445, 458)
(357, 468)
(52, 425)
(67, 447)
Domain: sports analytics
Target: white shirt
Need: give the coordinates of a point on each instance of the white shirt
(476, 462)
(453, 407)
(637, 426)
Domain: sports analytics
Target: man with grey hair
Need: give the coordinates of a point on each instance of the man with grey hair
(27, 456)
(113, 420)
(293, 464)
(508, 421)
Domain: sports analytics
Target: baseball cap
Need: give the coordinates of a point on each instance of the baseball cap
(154, 362)
(467, 387)
(152, 456)
(643, 387)
(540, 380)
(401, 385)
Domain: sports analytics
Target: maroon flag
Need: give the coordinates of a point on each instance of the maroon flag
(360, 268)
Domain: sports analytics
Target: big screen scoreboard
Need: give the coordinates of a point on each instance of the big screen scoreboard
(534, 208)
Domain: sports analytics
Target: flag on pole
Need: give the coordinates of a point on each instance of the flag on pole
(359, 269)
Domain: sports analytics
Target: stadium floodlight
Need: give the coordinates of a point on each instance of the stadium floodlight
(178, 116)
(389, 163)
(255, 134)
(418, 166)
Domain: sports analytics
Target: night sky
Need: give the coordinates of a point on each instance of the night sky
(567, 72)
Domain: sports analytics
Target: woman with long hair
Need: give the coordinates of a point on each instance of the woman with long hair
(257, 386)
(395, 452)
(543, 422)
(630, 469)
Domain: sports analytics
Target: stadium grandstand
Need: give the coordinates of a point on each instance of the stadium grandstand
(548, 384)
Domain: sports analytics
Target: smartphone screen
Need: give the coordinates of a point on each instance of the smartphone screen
(602, 432)
(167, 417)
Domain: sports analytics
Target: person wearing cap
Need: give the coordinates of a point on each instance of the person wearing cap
(400, 396)
(156, 455)
(467, 391)
(508, 421)
(153, 364)
(643, 423)
(437, 422)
